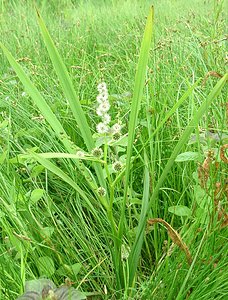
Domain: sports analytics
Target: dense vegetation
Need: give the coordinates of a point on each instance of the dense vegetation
(101, 209)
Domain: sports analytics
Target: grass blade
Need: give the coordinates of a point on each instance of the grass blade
(137, 246)
(57, 171)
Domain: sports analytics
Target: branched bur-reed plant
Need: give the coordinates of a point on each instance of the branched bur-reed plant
(108, 159)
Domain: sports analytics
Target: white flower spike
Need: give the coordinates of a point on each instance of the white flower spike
(102, 128)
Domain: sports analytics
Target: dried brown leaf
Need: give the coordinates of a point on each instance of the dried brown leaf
(174, 235)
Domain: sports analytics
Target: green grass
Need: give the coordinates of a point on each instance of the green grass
(53, 222)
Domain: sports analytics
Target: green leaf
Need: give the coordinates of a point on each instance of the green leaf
(68, 293)
(187, 156)
(66, 270)
(202, 216)
(123, 141)
(133, 120)
(202, 198)
(48, 231)
(76, 268)
(138, 242)
(37, 170)
(3, 156)
(180, 210)
(36, 195)
(46, 266)
(56, 170)
(39, 289)
(69, 93)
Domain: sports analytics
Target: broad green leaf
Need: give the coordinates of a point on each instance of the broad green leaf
(37, 170)
(187, 156)
(36, 195)
(66, 270)
(202, 215)
(123, 141)
(48, 231)
(76, 268)
(180, 210)
(46, 266)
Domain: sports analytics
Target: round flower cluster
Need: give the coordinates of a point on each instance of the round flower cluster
(117, 166)
(97, 152)
(103, 108)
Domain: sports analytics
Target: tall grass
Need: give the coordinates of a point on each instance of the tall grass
(51, 210)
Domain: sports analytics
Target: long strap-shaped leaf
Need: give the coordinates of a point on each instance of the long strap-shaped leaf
(69, 93)
(135, 106)
(66, 84)
(57, 171)
(136, 249)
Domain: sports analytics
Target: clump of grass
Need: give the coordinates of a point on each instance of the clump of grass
(75, 202)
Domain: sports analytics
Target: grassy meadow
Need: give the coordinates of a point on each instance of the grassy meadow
(118, 190)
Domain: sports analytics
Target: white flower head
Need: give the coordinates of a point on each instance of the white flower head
(102, 87)
(116, 128)
(106, 118)
(104, 106)
(102, 97)
(99, 112)
(23, 94)
(102, 128)
(125, 251)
